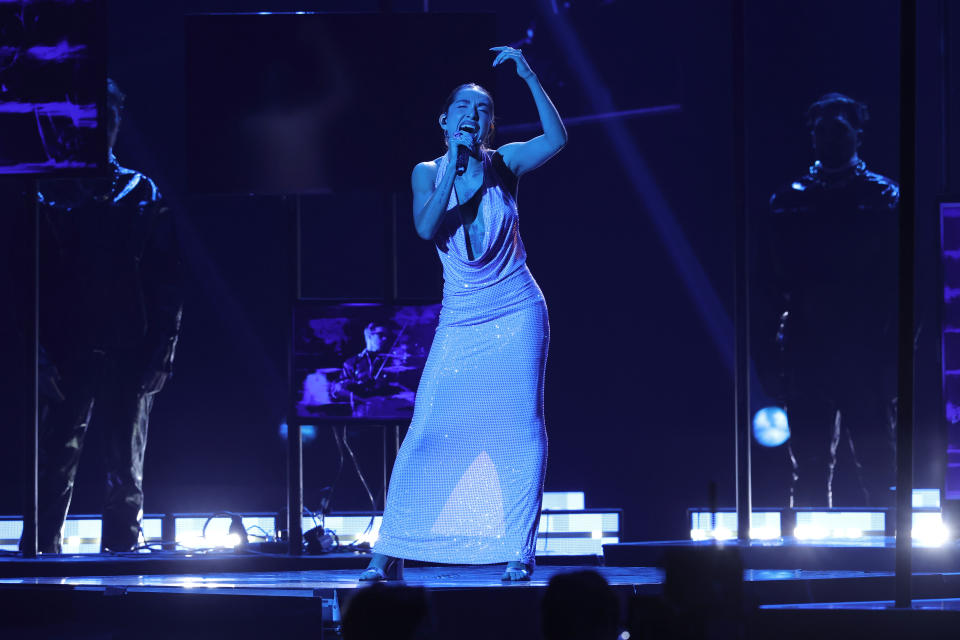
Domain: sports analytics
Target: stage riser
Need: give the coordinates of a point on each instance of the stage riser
(137, 616)
(221, 562)
(844, 625)
(805, 557)
(466, 614)
(504, 613)
(773, 592)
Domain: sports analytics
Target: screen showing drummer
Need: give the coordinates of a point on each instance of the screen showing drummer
(379, 380)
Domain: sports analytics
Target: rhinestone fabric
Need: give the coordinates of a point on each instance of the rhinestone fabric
(468, 481)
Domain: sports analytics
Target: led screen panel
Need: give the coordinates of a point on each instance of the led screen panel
(950, 340)
(52, 86)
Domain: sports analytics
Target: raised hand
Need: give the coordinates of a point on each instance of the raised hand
(509, 53)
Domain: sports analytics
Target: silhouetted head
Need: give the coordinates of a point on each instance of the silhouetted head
(836, 124)
(469, 107)
(115, 99)
(580, 605)
(385, 611)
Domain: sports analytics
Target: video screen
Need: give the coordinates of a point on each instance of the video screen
(53, 85)
(360, 361)
(950, 340)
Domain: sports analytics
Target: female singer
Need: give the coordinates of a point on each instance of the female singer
(468, 481)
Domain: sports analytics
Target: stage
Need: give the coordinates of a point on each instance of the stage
(236, 594)
(751, 218)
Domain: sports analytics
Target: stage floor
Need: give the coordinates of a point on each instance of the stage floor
(183, 603)
(768, 586)
(932, 604)
(308, 583)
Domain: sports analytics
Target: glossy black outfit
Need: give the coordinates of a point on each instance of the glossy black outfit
(833, 269)
(361, 370)
(111, 300)
(371, 390)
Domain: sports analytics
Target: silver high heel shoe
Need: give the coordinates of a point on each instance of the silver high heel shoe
(517, 572)
(392, 569)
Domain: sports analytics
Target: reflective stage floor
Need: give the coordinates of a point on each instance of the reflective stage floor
(185, 597)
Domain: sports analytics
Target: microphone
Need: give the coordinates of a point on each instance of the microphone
(463, 157)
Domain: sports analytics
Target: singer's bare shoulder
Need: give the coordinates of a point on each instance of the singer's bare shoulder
(424, 175)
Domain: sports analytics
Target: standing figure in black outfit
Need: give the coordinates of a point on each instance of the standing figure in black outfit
(834, 277)
(110, 307)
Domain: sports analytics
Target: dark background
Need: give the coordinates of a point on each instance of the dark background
(629, 232)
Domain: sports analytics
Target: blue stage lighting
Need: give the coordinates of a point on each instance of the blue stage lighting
(308, 432)
(771, 427)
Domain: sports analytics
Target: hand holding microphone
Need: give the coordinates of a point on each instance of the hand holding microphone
(463, 143)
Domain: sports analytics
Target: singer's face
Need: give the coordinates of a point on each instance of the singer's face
(471, 111)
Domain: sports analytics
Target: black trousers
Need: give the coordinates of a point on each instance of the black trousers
(842, 410)
(105, 389)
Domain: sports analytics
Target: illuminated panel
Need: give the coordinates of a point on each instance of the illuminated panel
(81, 535)
(573, 546)
(566, 534)
(839, 525)
(260, 527)
(188, 530)
(764, 525)
(563, 500)
(349, 528)
(561, 533)
(10, 531)
(926, 498)
(578, 522)
(152, 529)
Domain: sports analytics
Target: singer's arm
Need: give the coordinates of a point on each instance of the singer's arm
(429, 203)
(522, 157)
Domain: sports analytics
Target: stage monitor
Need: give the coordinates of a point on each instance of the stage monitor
(360, 361)
(53, 85)
(316, 102)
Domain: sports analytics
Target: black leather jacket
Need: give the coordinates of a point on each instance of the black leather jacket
(833, 259)
(110, 269)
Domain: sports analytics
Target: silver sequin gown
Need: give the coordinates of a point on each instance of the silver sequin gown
(467, 484)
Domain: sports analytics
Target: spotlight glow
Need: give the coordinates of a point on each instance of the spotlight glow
(194, 540)
(931, 534)
(811, 532)
(771, 427)
(720, 533)
(369, 538)
(764, 533)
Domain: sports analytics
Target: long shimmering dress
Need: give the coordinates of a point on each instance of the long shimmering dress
(468, 481)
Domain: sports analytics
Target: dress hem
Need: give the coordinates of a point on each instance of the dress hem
(406, 554)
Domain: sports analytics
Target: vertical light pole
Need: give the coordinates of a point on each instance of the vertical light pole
(905, 400)
(741, 300)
